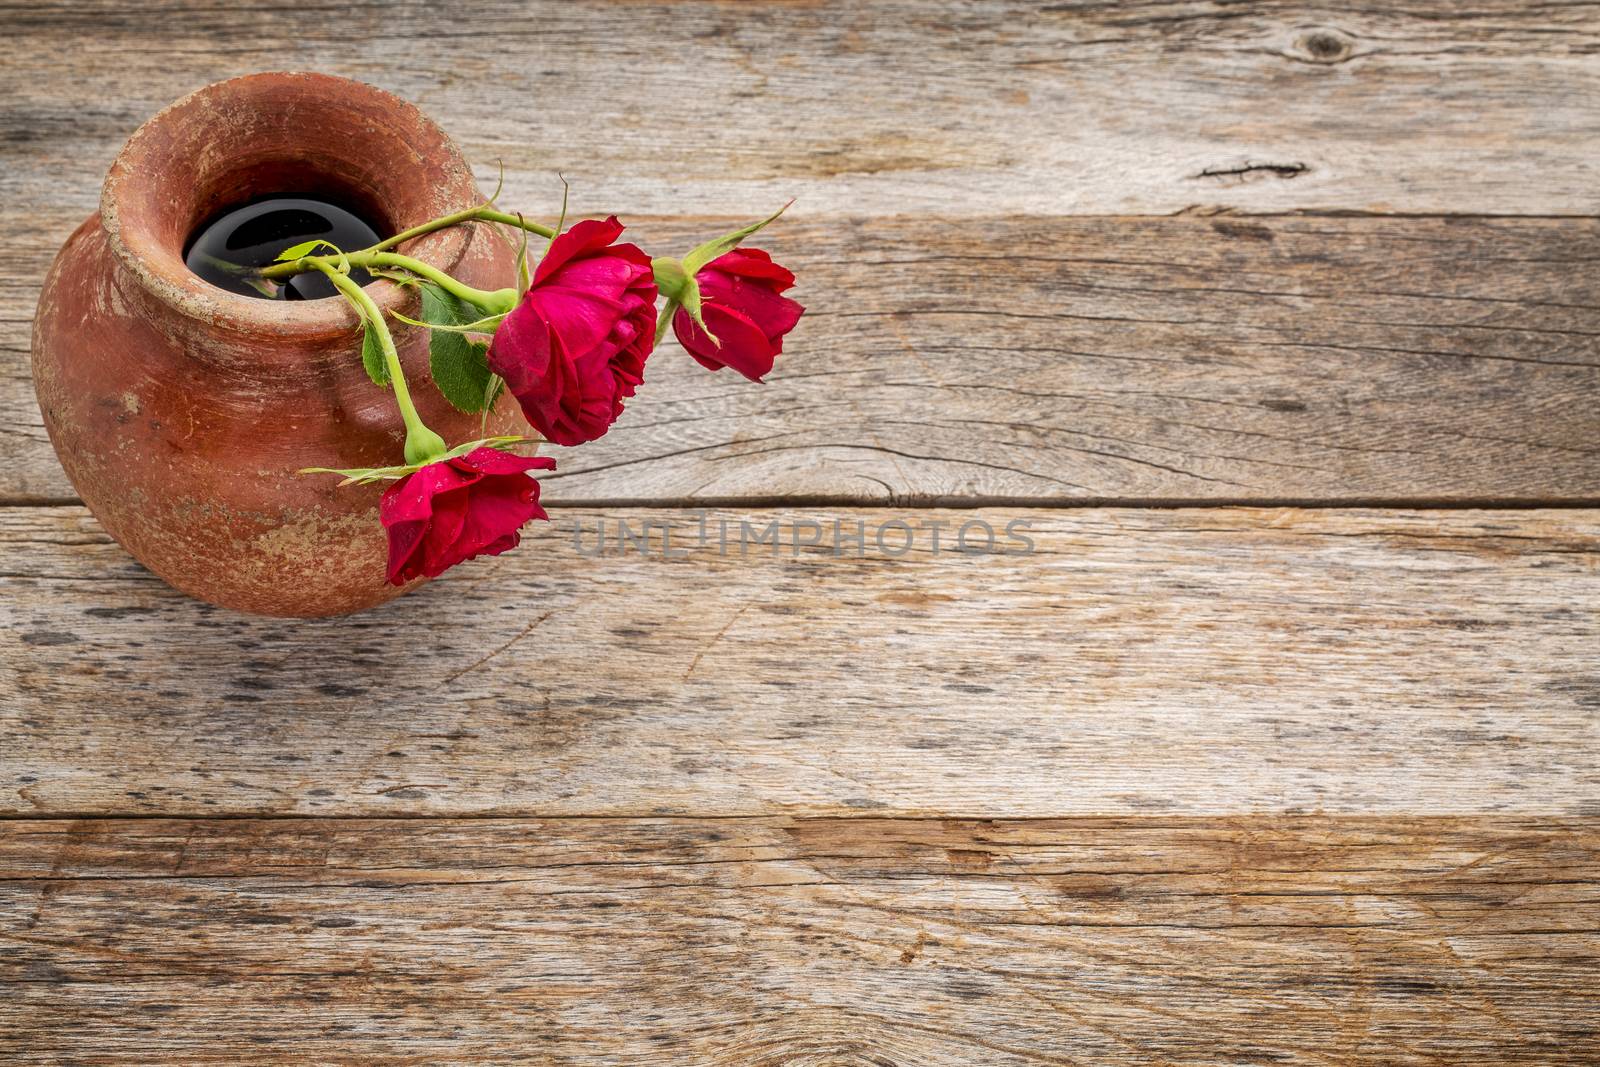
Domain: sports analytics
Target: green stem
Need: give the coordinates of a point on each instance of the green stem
(481, 213)
(422, 444)
(427, 227)
(495, 302)
(491, 215)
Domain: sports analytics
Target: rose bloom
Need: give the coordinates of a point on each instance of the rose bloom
(741, 305)
(456, 509)
(576, 344)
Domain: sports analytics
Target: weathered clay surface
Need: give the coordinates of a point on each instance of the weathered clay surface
(182, 412)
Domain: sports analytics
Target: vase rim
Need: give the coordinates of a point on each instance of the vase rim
(381, 148)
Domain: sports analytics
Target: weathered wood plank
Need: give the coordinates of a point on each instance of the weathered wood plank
(886, 107)
(1273, 360)
(1140, 660)
(778, 941)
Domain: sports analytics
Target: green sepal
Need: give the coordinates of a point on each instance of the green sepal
(691, 304)
(681, 290)
(671, 278)
(500, 184)
(460, 367)
(726, 243)
(368, 475)
(524, 275)
(561, 220)
(497, 386)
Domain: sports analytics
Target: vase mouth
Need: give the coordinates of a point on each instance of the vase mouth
(261, 135)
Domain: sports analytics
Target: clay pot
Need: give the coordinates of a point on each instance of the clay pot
(181, 412)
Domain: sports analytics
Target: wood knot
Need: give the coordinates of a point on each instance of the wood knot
(1323, 45)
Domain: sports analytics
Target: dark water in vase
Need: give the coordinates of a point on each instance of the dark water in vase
(224, 249)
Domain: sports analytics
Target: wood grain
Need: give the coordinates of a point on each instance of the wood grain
(1188, 661)
(755, 943)
(882, 107)
(1214, 785)
(1118, 360)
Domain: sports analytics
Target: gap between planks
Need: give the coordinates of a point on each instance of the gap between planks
(1022, 503)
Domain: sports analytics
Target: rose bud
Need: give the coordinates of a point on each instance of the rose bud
(575, 345)
(456, 509)
(741, 306)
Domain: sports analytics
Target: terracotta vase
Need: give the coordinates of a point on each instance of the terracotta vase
(182, 412)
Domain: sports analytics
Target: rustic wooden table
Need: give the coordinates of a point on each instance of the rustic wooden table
(1277, 321)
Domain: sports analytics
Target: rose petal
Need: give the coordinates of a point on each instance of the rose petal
(576, 343)
(743, 346)
(775, 315)
(457, 509)
(583, 237)
(753, 263)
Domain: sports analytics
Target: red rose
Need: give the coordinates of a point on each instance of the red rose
(577, 342)
(740, 304)
(453, 510)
